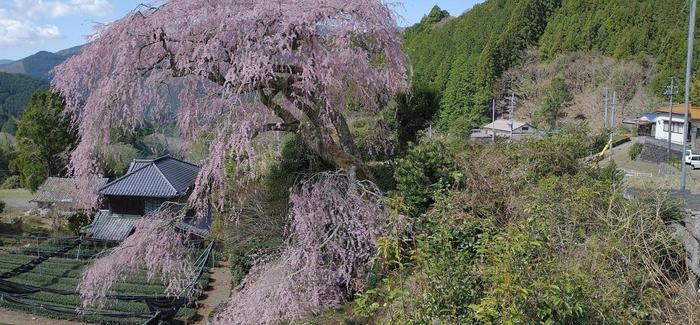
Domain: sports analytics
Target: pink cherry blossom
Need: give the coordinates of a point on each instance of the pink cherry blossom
(335, 223)
(235, 69)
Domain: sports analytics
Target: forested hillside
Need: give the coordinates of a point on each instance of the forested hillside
(15, 91)
(462, 59)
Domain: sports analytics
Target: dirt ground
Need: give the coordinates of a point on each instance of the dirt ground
(645, 175)
(218, 291)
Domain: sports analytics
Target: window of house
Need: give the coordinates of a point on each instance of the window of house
(676, 127)
(525, 128)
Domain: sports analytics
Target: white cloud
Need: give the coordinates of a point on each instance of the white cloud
(15, 30)
(59, 8)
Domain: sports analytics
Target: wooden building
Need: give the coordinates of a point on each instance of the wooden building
(146, 186)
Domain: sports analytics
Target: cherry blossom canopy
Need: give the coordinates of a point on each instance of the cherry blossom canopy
(233, 69)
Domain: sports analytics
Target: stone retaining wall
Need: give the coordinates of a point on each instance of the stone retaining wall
(656, 153)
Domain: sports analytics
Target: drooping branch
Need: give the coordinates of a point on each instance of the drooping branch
(302, 63)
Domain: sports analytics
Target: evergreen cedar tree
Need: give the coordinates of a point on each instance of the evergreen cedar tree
(239, 69)
(44, 139)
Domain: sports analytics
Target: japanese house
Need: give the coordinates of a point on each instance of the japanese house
(59, 194)
(675, 125)
(146, 186)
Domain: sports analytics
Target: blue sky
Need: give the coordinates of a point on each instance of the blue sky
(29, 26)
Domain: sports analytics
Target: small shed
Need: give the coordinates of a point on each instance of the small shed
(644, 125)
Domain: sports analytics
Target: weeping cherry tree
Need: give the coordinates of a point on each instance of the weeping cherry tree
(232, 71)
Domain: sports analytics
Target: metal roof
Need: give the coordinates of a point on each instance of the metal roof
(59, 190)
(138, 163)
(504, 125)
(679, 109)
(196, 226)
(165, 177)
(110, 227)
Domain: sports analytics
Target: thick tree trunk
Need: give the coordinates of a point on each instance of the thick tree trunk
(321, 141)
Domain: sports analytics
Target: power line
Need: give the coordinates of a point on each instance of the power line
(688, 69)
(511, 111)
(670, 93)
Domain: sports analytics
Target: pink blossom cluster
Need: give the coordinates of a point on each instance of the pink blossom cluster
(335, 223)
(229, 70)
(155, 245)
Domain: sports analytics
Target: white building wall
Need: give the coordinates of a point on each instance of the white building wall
(663, 135)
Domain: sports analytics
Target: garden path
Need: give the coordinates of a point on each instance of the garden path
(217, 292)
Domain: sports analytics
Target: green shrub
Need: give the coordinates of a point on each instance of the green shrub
(240, 262)
(2, 206)
(11, 182)
(532, 235)
(427, 170)
(78, 220)
(635, 150)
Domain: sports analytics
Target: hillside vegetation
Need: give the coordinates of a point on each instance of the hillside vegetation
(462, 59)
(15, 91)
(584, 77)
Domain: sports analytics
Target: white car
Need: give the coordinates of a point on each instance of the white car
(695, 161)
(688, 156)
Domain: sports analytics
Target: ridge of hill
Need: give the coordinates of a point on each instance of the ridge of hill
(40, 64)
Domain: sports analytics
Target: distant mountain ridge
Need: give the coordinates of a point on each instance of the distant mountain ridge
(40, 64)
(4, 62)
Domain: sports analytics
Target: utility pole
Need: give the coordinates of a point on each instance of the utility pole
(669, 92)
(606, 108)
(688, 69)
(612, 124)
(511, 110)
(493, 121)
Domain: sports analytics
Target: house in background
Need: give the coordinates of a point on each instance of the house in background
(59, 194)
(505, 128)
(146, 186)
(676, 125)
(644, 125)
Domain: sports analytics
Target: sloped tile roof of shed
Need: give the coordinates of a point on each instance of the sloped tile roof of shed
(59, 190)
(196, 226)
(165, 177)
(110, 227)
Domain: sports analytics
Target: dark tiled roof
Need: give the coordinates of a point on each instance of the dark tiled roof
(138, 163)
(165, 177)
(110, 227)
(59, 190)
